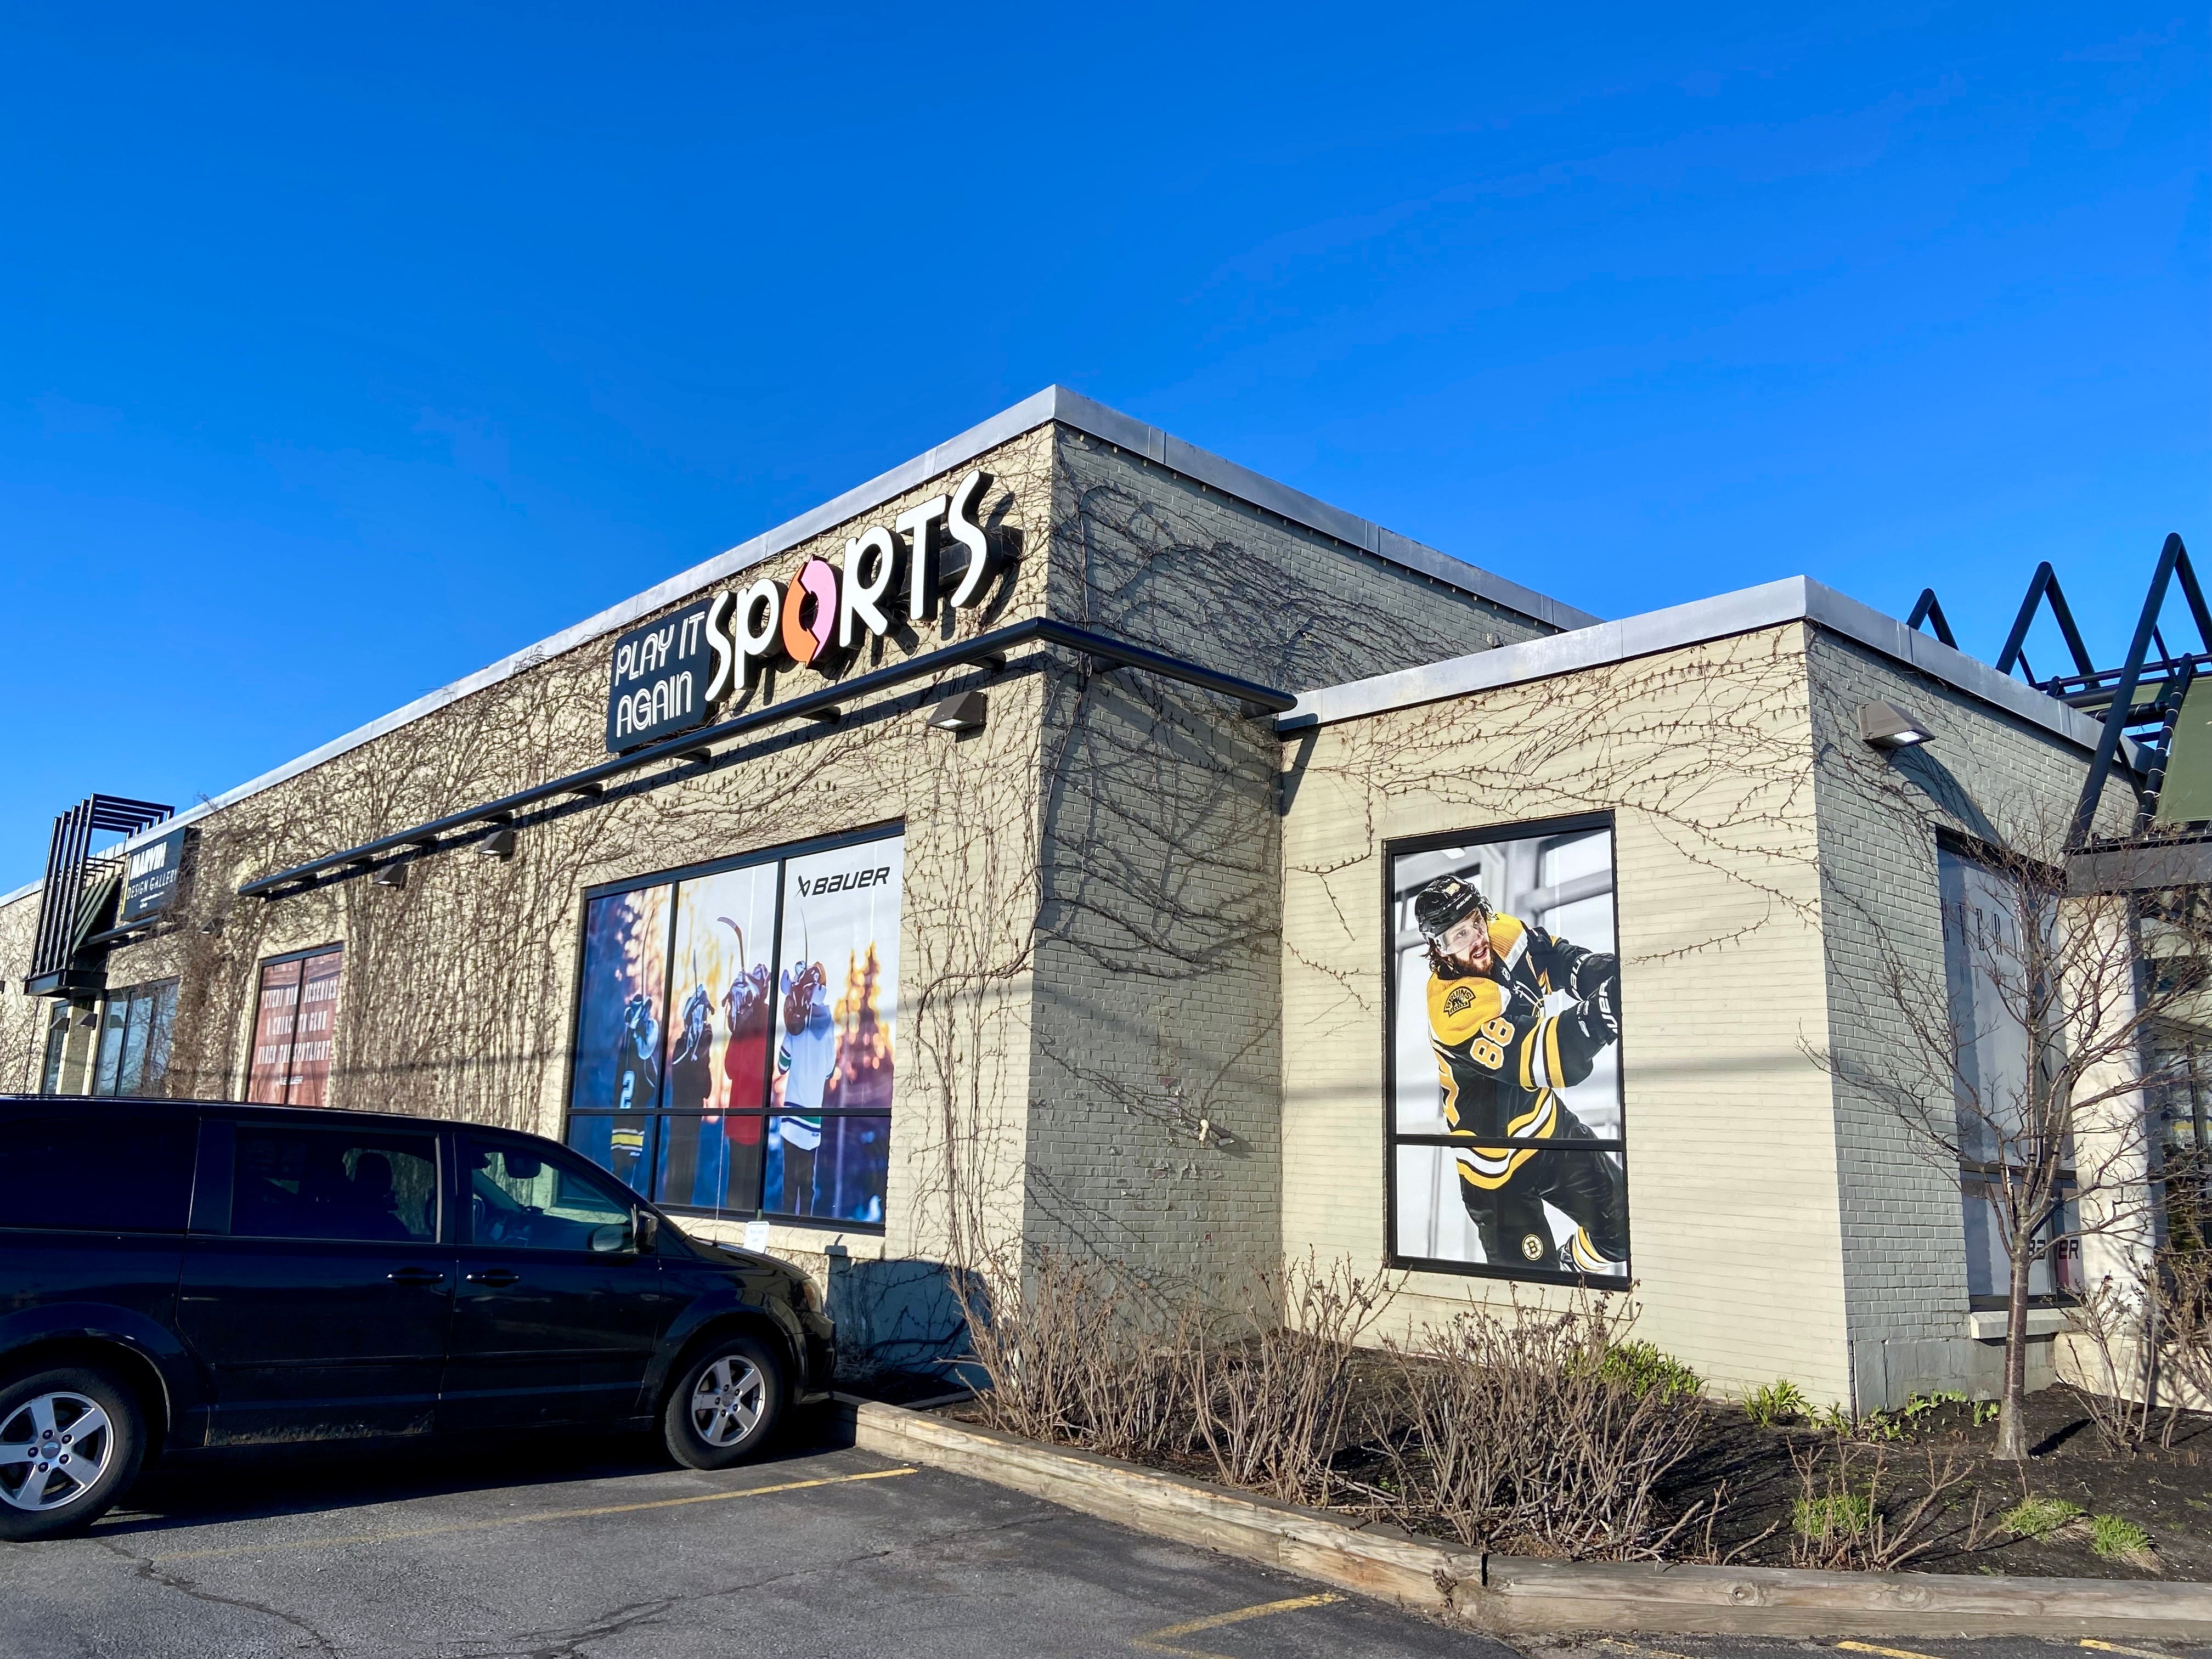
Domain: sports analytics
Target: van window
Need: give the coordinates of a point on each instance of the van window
(523, 1201)
(334, 1184)
(98, 1171)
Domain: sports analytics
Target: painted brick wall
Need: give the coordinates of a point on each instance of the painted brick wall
(1984, 775)
(1704, 755)
(1158, 992)
(459, 990)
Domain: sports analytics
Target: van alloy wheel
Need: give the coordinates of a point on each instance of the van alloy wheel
(728, 1399)
(53, 1448)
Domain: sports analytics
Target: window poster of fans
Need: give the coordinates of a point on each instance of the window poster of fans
(734, 1035)
(619, 1026)
(1506, 1150)
(830, 1144)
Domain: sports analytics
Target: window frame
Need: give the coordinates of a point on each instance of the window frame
(219, 1137)
(180, 1120)
(128, 997)
(560, 1156)
(1393, 850)
(2063, 1253)
(335, 947)
(655, 1118)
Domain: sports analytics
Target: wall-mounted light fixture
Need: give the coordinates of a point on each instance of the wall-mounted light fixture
(389, 875)
(964, 712)
(1885, 725)
(500, 844)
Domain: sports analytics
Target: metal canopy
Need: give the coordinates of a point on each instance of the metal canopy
(823, 707)
(2153, 721)
(79, 892)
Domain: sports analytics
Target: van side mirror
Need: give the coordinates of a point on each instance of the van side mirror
(648, 1232)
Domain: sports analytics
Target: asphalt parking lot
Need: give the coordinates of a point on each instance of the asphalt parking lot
(596, 1550)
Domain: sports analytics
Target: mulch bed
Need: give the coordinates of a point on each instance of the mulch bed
(2167, 1493)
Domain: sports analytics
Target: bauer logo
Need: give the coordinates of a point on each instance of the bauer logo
(844, 881)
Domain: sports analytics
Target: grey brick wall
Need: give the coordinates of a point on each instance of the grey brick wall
(1984, 775)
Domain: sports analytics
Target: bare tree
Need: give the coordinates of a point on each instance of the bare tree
(2020, 1059)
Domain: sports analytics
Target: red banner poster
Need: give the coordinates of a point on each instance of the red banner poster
(317, 1030)
(275, 1016)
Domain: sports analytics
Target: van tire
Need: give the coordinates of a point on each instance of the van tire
(39, 1409)
(726, 1403)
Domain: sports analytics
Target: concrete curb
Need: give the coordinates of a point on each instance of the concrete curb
(1510, 1595)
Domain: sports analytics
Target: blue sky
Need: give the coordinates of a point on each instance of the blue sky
(348, 350)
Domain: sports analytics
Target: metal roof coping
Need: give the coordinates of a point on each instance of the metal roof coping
(1793, 598)
(1054, 402)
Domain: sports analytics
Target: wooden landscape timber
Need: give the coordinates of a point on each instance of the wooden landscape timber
(1512, 1594)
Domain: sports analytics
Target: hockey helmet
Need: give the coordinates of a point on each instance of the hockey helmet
(1444, 904)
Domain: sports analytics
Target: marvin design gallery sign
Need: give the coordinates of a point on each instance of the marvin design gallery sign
(667, 674)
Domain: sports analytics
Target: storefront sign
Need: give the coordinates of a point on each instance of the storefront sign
(150, 875)
(667, 674)
(658, 686)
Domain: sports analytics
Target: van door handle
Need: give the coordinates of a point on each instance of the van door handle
(415, 1276)
(495, 1277)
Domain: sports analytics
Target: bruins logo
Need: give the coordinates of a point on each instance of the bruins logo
(1532, 1246)
(1459, 997)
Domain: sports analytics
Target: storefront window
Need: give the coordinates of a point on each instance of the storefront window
(2181, 1059)
(1988, 971)
(58, 1018)
(1505, 1139)
(295, 1029)
(734, 1035)
(134, 1040)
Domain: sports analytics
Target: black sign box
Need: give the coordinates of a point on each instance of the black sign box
(150, 875)
(658, 686)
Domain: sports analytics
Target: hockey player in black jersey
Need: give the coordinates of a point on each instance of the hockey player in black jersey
(1501, 1060)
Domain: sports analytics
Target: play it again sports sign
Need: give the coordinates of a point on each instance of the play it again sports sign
(667, 674)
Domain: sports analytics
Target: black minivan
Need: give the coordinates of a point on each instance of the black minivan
(177, 1276)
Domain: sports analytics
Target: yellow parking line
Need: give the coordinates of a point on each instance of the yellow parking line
(2115, 1647)
(521, 1520)
(1157, 1642)
(1886, 1653)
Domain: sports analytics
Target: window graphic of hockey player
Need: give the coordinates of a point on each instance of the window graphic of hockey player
(805, 1059)
(1500, 1061)
(637, 1057)
(691, 1147)
(745, 1008)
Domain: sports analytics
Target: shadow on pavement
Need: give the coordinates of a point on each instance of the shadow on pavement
(260, 1483)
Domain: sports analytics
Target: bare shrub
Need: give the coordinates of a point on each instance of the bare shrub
(1271, 1392)
(1856, 1511)
(1076, 1353)
(2185, 1286)
(1521, 1430)
(2122, 1399)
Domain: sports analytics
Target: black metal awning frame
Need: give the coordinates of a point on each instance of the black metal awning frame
(64, 959)
(990, 650)
(2117, 688)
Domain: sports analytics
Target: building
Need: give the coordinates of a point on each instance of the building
(1031, 848)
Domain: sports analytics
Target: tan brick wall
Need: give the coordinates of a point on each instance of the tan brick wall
(22, 1019)
(1159, 989)
(458, 990)
(1704, 756)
